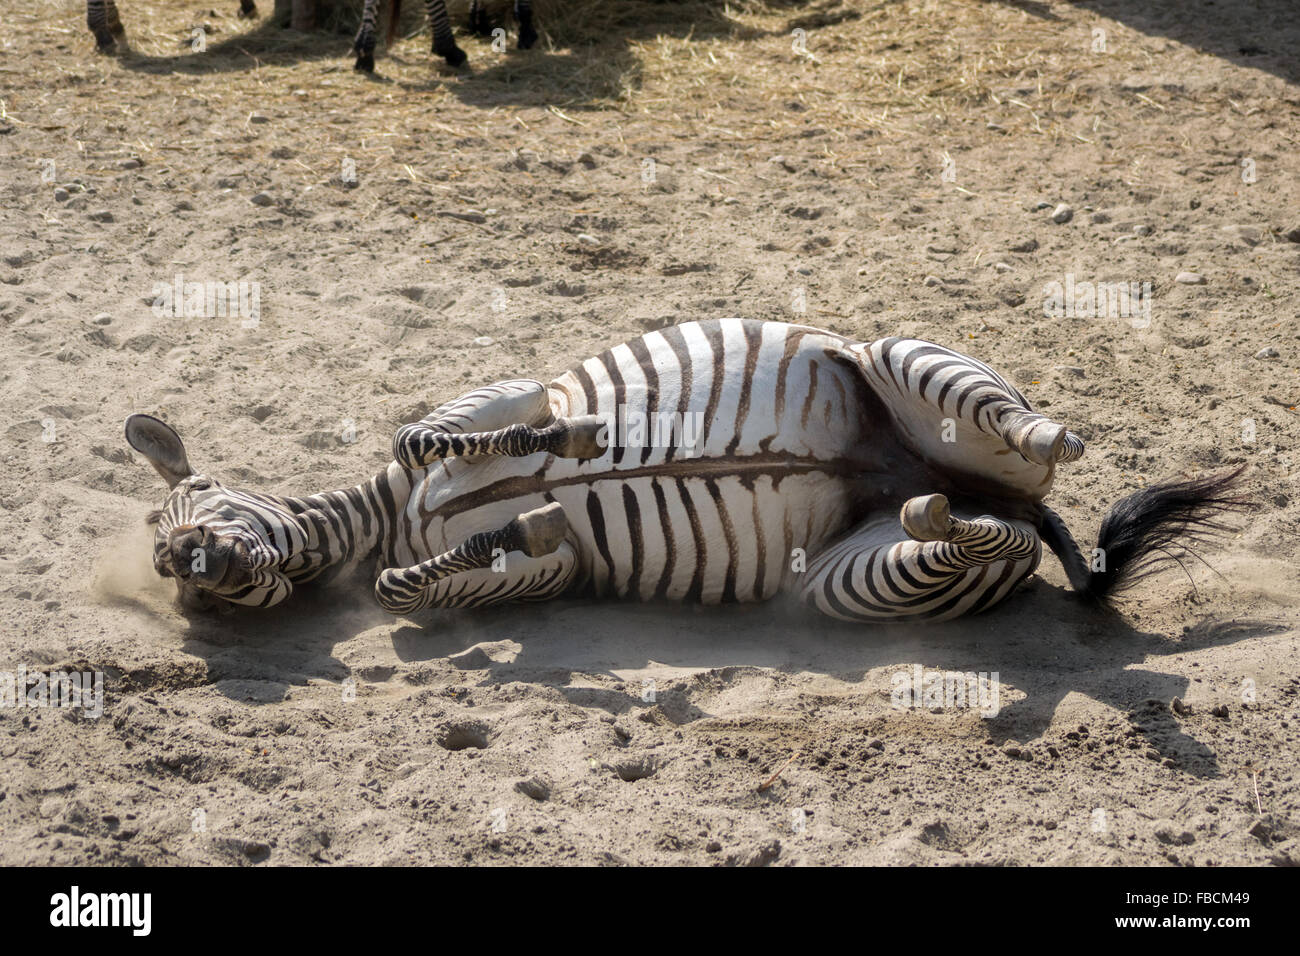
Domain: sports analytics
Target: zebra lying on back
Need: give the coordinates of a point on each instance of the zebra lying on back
(105, 23)
(717, 461)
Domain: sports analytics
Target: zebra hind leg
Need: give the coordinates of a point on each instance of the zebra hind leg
(481, 570)
(105, 23)
(524, 17)
(364, 45)
(950, 567)
(444, 44)
(247, 9)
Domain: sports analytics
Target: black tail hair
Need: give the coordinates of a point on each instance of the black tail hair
(1146, 532)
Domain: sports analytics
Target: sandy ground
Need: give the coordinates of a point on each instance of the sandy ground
(563, 200)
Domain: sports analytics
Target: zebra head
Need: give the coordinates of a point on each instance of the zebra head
(216, 542)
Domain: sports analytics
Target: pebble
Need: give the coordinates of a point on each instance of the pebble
(932, 281)
(588, 160)
(131, 163)
(1177, 706)
(262, 199)
(1062, 214)
(534, 787)
(1293, 235)
(103, 319)
(1268, 353)
(1142, 229)
(61, 194)
(1099, 218)
(1001, 267)
(1069, 370)
(1025, 245)
(102, 215)
(259, 118)
(1190, 278)
(1042, 205)
(875, 743)
(588, 239)
(1011, 748)
(484, 340)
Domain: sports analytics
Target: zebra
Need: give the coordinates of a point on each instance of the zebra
(727, 460)
(106, 25)
(444, 44)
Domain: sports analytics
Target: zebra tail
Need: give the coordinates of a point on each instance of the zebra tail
(394, 15)
(1146, 532)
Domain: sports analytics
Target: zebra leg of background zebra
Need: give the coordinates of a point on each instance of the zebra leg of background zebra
(364, 45)
(508, 418)
(104, 22)
(247, 9)
(480, 24)
(952, 567)
(481, 571)
(444, 45)
(524, 17)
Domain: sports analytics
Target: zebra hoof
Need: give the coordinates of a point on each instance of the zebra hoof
(365, 63)
(247, 10)
(583, 437)
(454, 56)
(105, 43)
(527, 37)
(927, 518)
(539, 532)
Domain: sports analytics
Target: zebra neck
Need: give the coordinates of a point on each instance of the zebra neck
(349, 525)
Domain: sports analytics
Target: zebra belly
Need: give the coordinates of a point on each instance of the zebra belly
(770, 443)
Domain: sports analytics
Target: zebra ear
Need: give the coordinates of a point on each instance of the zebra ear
(161, 445)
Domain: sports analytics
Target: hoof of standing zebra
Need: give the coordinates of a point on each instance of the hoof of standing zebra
(247, 10)
(527, 37)
(927, 518)
(365, 62)
(453, 54)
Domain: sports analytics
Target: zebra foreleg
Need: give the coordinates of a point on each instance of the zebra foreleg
(480, 24)
(417, 445)
(524, 17)
(952, 567)
(247, 9)
(483, 571)
(509, 418)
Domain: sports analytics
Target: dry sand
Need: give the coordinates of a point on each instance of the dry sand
(522, 736)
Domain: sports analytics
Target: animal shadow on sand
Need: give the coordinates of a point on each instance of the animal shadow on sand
(1043, 643)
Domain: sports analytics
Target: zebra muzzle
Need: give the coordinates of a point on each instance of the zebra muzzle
(200, 557)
